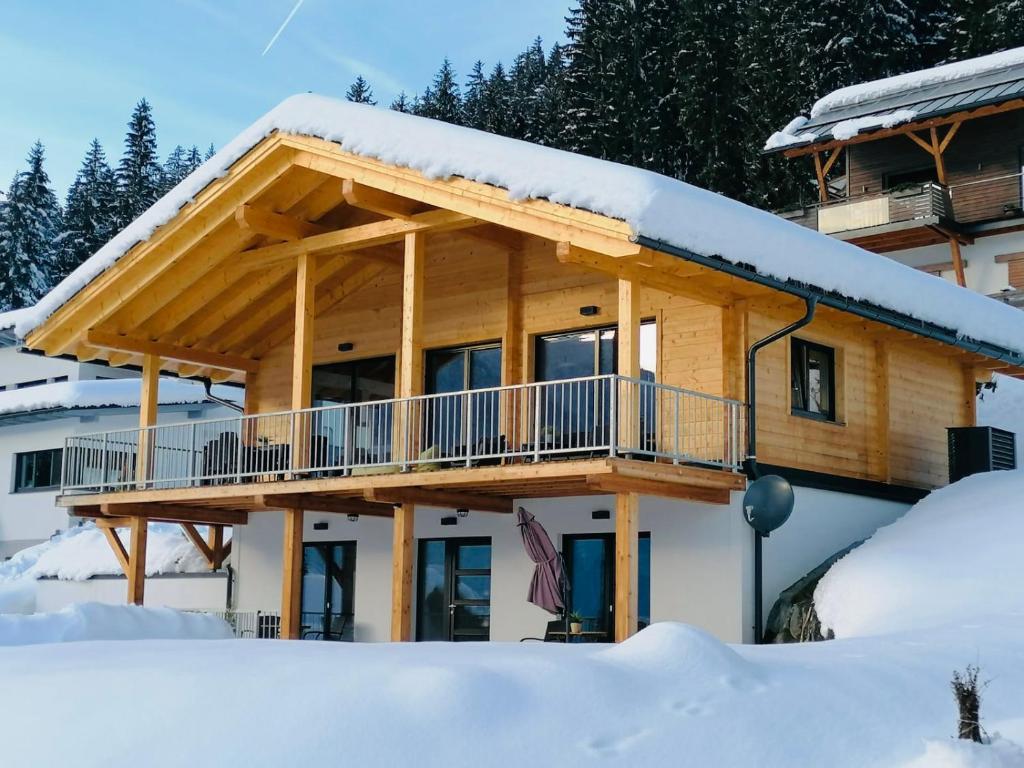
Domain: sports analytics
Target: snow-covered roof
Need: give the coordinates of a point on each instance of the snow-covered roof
(655, 207)
(892, 101)
(99, 393)
(12, 317)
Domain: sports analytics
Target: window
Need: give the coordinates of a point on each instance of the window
(37, 470)
(27, 384)
(915, 178)
(813, 373)
(450, 423)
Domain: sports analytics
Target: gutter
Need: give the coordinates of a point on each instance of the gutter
(835, 300)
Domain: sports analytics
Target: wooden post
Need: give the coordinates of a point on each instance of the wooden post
(819, 171)
(514, 411)
(410, 365)
(940, 173)
(137, 560)
(627, 508)
(215, 541)
(628, 338)
(291, 574)
(149, 403)
(401, 572)
(302, 354)
(879, 448)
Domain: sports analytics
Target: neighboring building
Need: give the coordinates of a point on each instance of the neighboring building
(437, 325)
(45, 400)
(926, 168)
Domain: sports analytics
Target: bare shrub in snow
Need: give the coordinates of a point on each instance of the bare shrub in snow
(968, 698)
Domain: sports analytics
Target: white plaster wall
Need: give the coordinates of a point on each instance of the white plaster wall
(184, 592)
(983, 273)
(701, 557)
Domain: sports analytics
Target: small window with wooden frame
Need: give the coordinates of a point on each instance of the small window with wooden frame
(812, 380)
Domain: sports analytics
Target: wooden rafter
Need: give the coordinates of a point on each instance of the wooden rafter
(113, 341)
(445, 499)
(376, 200)
(173, 513)
(193, 535)
(276, 225)
(318, 503)
(117, 545)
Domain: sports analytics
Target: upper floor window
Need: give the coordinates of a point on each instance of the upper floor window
(813, 373)
(914, 178)
(37, 470)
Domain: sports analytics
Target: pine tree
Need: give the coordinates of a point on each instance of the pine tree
(210, 152)
(90, 212)
(194, 159)
(496, 103)
(175, 168)
(551, 98)
(139, 175)
(473, 103)
(360, 92)
(401, 103)
(442, 101)
(29, 227)
(527, 79)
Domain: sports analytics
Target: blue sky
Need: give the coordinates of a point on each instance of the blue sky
(72, 70)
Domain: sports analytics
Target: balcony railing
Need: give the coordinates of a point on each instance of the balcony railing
(599, 415)
(967, 202)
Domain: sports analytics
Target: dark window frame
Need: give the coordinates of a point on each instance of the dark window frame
(56, 456)
(451, 573)
(799, 360)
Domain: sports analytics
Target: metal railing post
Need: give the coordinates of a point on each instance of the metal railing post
(469, 429)
(104, 469)
(536, 422)
(613, 410)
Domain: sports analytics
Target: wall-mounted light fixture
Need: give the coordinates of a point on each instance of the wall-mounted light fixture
(346, 346)
(462, 512)
(590, 310)
(320, 525)
(449, 520)
(353, 518)
(600, 514)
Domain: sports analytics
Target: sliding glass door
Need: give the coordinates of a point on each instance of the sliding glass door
(328, 586)
(453, 423)
(367, 431)
(590, 564)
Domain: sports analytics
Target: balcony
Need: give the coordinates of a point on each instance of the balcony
(423, 440)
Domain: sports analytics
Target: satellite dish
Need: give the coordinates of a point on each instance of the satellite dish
(768, 503)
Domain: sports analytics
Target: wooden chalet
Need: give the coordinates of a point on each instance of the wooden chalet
(408, 340)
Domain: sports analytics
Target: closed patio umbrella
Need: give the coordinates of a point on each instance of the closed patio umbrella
(547, 585)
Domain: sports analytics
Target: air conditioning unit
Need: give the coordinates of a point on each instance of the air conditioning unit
(980, 449)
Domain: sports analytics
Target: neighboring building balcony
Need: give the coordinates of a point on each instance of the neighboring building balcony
(497, 437)
(915, 215)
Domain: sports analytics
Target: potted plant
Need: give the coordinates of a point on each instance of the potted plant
(575, 623)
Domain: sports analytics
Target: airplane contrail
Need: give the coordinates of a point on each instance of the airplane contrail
(281, 28)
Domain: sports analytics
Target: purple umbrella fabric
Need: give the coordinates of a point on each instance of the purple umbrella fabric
(546, 585)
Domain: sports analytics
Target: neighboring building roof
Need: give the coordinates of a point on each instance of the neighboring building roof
(914, 96)
(660, 211)
(57, 399)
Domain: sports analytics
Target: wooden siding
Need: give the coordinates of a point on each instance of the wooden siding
(982, 151)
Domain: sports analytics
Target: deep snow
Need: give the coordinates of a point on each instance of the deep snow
(956, 555)
(652, 205)
(671, 696)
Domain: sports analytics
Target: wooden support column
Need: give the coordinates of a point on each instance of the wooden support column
(819, 171)
(401, 572)
(215, 541)
(137, 560)
(512, 349)
(410, 366)
(302, 353)
(878, 450)
(628, 338)
(937, 148)
(291, 574)
(627, 513)
(149, 403)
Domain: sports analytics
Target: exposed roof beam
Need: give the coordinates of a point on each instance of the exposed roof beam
(113, 341)
(494, 235)
(170, 513)
(372, 199)
(275, 225)
(444, 499)
(355, 238)
(337, 504)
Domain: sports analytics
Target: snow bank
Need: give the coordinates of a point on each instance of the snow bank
(955, 556)
(652, 205)
(96, 621)
(671, 696)
(17, 597)
(910, 81)
(956, 753)
(83, 552)
(99, 393)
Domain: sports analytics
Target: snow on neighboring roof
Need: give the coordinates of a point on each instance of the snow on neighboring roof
(83, 552)
(654, 206)
(99, 393)
(954, 557)
(912, 81)
(12, 317)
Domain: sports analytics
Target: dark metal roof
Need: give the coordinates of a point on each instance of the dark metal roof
(927, 101)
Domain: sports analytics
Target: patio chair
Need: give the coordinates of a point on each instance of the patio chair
(554, 632)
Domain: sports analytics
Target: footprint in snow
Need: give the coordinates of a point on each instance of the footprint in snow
(694, 708)
(611, 746)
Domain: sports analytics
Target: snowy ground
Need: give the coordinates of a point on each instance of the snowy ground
(672, 696)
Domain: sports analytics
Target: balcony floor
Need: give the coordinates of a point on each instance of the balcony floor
(474, 487)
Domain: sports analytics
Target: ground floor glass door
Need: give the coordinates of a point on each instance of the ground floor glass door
(453, 595)
(590, 564)
(328, 585)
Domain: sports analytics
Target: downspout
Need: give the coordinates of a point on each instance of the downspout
(750, 463)
(208, 386)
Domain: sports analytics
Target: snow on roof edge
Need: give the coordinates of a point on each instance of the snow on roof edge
(654, 206)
